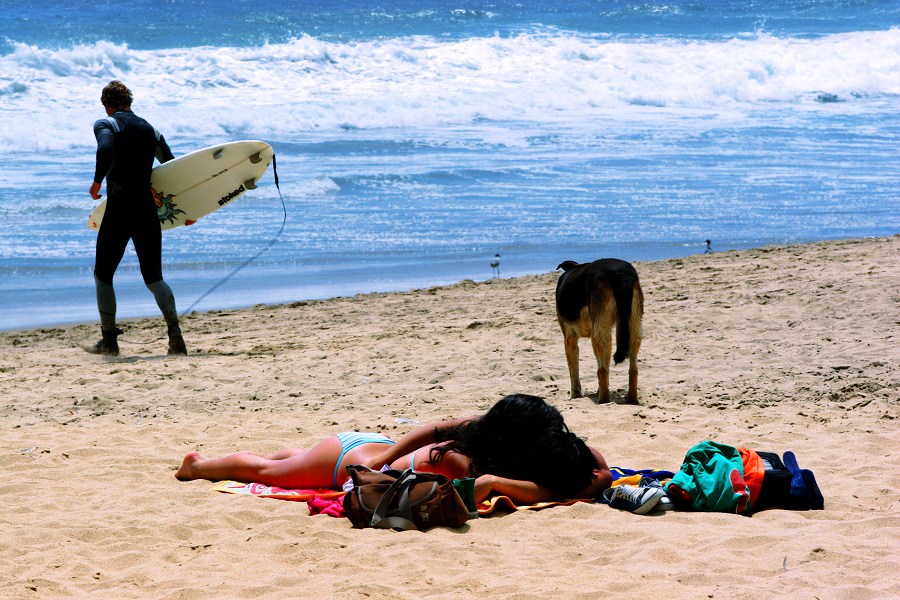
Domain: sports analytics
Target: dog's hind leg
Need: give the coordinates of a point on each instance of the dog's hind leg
(632, 397)
(571, 341)
(634, 345)
(602, 344)
(601, 341)
(602, 319)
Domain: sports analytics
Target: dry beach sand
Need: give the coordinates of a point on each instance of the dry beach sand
(782, 348)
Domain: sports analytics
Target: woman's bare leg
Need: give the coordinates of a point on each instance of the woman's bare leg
(287, 453)
(242, 466)
(313, 468)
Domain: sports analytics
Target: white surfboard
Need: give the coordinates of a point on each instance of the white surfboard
(193, 185)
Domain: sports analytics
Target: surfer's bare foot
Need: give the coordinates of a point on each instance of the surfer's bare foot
(186, 471)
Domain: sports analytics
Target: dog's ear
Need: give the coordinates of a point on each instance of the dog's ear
(567, 265)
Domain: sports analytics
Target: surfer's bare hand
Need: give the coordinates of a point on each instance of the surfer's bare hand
(95, 191)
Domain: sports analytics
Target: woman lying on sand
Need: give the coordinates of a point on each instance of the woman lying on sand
(520, 448)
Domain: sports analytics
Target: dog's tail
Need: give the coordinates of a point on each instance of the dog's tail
(630, 307)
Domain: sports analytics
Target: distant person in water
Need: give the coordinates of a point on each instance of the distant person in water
(495, 265)
(708, 247)
(126, 147)
(520, 448)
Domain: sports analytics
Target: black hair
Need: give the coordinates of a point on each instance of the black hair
(522, 437)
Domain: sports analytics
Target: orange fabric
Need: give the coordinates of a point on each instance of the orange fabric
(754, 471)
(505, 503)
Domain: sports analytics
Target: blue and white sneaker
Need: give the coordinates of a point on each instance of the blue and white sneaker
(665, 503)
(639, 500)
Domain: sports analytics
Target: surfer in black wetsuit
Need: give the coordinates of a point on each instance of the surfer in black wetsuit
(126, 147)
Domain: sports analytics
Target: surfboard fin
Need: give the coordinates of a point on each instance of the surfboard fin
(255, 158)
(250, 184)
(218, 153)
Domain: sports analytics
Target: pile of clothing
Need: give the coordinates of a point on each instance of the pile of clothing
(717, 477)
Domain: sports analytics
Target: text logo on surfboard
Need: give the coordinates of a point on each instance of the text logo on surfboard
(231, 196)
(165, 208)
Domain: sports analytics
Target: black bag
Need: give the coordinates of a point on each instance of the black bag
(407, 500)
(786, 485)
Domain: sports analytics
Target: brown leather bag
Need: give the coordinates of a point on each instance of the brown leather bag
(407, 500)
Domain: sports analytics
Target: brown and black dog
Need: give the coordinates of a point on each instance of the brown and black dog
(591, 299)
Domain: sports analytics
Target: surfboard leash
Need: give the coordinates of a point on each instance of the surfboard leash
(271, 243)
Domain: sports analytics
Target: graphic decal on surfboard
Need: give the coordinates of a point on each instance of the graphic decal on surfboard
(194, 185)
(166, 209)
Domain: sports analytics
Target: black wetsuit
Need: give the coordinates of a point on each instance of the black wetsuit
(126, 147)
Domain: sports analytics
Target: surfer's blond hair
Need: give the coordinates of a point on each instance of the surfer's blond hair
(116, 95)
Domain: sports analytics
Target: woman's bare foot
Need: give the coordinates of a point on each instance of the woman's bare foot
(186, 471)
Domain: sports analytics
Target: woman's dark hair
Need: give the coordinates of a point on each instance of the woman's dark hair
(522, 437)
(116, 95)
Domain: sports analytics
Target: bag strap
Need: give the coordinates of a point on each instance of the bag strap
(405, 504)
(401, 485)
(395, 523)
(405, 520)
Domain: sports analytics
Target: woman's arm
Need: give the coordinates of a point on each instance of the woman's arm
(520, 492)
(528, 492)
(417, 438)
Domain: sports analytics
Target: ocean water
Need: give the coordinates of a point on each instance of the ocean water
(417, 139)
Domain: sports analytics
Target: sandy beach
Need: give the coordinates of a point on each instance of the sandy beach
(782, 348)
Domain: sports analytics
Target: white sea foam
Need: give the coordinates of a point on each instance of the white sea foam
(49, 97)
